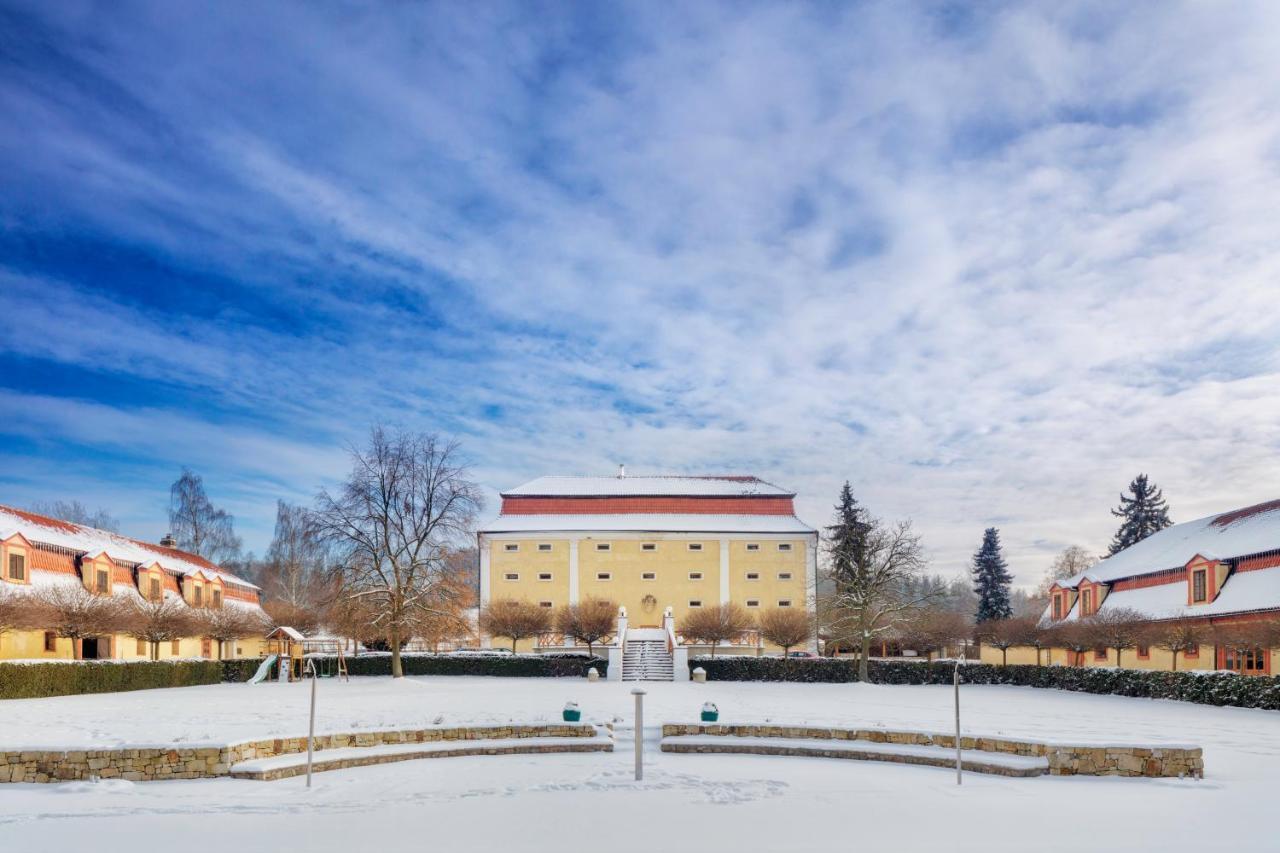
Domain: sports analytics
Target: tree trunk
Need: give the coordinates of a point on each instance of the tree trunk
(513, 645)
(397, 669)
(590, 651)
(1175, 660)
(864, 653)
(77, 648)
(713, 648)
(1004, 656)
(1118, 664)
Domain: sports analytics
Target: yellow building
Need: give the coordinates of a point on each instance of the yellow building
(658, 547)
(37, 552)
(1218, 576)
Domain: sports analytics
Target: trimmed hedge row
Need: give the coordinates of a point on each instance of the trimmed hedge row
(508, 666)
(35, 680)
(1216, 688)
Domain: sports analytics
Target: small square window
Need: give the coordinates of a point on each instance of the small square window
(695, 546)
(604, 576)
(1144, 651)
(784, 546)
(695, 603)
(753, 546)
(141, 648)
(649, 576)
(695, 576)
(1099, 654)
(784, 576)
(544, 546)
(648, 546)
(544, 576)
(786, 602)
(511, 576)
(753, 576)
(511, 546)
(753, 602)
(544, 604)
(50, 641)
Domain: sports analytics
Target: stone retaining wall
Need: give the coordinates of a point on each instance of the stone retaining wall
(1064, 760)
(149, 764)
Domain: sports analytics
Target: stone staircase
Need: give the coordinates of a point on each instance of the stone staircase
(646, 656)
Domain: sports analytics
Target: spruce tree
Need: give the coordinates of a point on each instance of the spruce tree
(991, 579)
(847, 538)
(1144, 513)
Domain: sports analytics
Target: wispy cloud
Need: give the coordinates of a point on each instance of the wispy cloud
(986, 262)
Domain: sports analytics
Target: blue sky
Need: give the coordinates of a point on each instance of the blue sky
(986, 261)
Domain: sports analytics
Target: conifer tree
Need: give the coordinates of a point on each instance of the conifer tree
(847, 538)
(991, 579)
(1144, 513)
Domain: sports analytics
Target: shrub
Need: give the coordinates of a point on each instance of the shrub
(1205, 688)
(34, 680)
(510, 666)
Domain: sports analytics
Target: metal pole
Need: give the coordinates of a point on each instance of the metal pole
(311, 726)
(639, 694)
(956, 683)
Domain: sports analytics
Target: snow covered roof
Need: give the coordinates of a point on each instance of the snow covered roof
(1243, 592)
(1250, 530)
(675, 523)
(656, 486)
(77, 537)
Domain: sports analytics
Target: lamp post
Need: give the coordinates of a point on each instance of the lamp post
(639, 694)
(311, 726)
(955, 679)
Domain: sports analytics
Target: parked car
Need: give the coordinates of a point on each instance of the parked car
(801, 655)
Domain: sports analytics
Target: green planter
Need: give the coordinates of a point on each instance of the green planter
(710, 716)
(572, 715)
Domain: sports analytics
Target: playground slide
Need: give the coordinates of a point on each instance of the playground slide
(264, 669)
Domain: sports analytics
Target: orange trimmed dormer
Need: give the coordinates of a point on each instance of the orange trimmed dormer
(1061, 600)
(1205, 577)
(97, 571)
(15, 558)
(1092, 593)
(150, 581)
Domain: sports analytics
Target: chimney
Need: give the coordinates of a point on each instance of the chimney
(622, 471)
(167, 541)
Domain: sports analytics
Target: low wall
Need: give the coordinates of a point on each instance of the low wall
(203, 762)
(1064, 760)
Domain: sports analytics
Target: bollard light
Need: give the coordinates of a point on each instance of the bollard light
(639, 694)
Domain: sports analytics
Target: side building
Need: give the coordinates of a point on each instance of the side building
(38, 553)
(1219, 574)
(652, 545)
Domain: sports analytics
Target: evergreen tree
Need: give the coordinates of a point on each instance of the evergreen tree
(847, 538)
(991, 579)
(1144, 513)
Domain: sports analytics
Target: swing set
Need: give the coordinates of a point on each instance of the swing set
(325, 654)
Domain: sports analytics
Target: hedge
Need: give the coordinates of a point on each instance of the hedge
(509, 666)
(34, 680)
(1205, 688)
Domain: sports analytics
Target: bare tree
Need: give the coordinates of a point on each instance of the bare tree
(787, 627)
(199, 527)
(1004, 634)
(515, 620)
(1072, 561)
(716, 624)
(880, 592)
(407, 501)
(294, 573)
(1247, 637)
(71, 611)
(1076, 636)
(589, 621)
(931, 630)
(19, 611)
(1118, 628)
(77, 513)
(1178, 636)
(162, 621)
(304, 619)
(229, 622)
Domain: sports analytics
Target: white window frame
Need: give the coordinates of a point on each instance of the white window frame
(753, 576)
(695, 602)
(753, 602)
(544, 577)
(604, 546)
(604, 576)
(511, 577)
(649, 547)
(753, 546)
(784, 546)
(510, 547)
(695, 576)
(648, 576)
(785, 602)
(544, 546)
(546, 604)
(785, 576)
(694, 546)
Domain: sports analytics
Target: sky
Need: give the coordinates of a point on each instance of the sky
(985, 261)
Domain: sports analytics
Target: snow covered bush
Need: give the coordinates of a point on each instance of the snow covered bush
(510, 666)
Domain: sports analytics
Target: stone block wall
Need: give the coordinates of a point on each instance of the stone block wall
(1064, 760)
(149, 764)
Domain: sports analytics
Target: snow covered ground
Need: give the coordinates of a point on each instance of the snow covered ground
(687, 802)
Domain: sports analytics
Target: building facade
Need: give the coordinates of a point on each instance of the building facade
(1216, 572)
(651, 545)
(38, 552)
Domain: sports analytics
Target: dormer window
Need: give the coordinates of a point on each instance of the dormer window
(216, 599)
(1057, 606)
(104, 581)
(1086, 602)
(17, 567)
(1199, 586)
(197, 596)
(155, 589)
